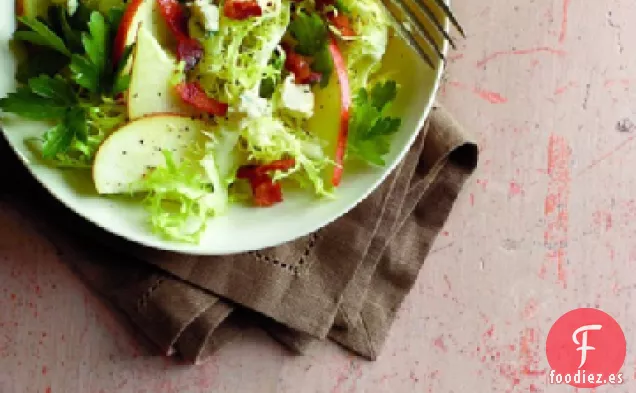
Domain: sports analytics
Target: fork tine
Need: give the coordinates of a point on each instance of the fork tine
(419, 27)
(431, 16)
(442, 4)
(410, 39)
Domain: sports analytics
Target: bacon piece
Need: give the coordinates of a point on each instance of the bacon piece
(242, 9)
(194, 95)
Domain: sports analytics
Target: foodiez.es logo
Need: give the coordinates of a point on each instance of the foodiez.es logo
(586, 348)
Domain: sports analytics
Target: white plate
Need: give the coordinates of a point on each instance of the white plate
(242, 228)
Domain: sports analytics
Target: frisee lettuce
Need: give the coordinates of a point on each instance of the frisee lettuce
(181, 197)
(364, 52)
(269, 139)
(238, 57)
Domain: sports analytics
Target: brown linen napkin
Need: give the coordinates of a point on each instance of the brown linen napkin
(412, 221)
(356, 267)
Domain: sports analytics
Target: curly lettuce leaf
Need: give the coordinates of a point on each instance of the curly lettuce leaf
(269, 139)
(182, 197)
(364, 52)
(238, 56)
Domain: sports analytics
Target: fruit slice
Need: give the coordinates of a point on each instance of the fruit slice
(326, 121)
(151, 89)
(140, 12)
(128, 28)
(330, 121)
(136, 148)
(345, 107)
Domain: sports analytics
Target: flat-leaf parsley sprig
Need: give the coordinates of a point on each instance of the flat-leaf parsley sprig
(79, 97)
(370, 128)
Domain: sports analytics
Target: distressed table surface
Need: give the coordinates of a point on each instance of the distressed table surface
(545, 225)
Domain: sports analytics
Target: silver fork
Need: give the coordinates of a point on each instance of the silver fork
(409, 23)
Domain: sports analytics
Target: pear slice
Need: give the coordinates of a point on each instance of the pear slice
(135, 149)
(151, 89)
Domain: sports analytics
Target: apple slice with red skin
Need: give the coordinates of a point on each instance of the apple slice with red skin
(140, 12)
(131, 152)
(188, 49)
(151, 89)
(128, 27)
(345, 109)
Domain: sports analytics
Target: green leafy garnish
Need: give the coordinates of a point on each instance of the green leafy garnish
(59, 21)
(30, 105)
(312, 37)
(90, 70)
(40, 34)
(56, 89)
(47, 98)
(369, 128)
(73, 82)
(89, 50)
(58, 139)
(310, 32)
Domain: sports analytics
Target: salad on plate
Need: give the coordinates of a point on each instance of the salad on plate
(199, 104)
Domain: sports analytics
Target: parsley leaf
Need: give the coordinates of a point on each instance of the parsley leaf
(40, 34)
(58, 19)
(32, 106)
(310, 32)
(56, 89)
(383, 93)
(96, 42)
(59, 138)
(369, 129)
(84, 73)
(56, 140)
(72, 81)
(89, 70)
(77, 122)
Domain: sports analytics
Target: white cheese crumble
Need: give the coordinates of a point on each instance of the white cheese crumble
(207, 14)
(253, 105)
(297, 99)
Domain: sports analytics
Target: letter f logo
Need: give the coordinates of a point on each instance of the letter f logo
(584, 347)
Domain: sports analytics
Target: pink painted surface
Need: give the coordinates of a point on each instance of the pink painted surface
(546, 225)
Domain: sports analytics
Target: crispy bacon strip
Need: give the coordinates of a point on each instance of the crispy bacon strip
(242, 9)
(194, 95)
